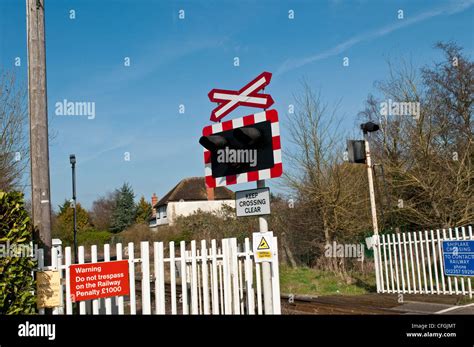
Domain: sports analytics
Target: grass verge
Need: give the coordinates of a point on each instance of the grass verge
(306, 281)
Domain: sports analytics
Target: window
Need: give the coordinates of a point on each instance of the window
(163, 209)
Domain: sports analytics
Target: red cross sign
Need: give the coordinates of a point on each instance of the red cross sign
(248, 95)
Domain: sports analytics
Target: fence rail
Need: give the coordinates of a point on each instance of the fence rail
(192, 279)
(412, 263)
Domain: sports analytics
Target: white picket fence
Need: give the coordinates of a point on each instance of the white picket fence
(196, 280)
(412, 263)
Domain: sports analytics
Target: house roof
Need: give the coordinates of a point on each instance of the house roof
(194, 189)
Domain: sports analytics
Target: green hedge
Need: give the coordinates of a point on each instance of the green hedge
(17, 287)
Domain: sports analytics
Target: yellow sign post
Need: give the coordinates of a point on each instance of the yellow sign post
(263, 246)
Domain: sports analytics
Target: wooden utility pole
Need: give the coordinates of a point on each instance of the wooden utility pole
(38, 111)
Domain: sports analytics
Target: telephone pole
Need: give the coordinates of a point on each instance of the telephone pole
(38, 112)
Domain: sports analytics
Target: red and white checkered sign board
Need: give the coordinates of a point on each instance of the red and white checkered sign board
(275, 171)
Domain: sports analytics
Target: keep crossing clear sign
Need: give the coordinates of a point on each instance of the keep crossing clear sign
(252, 202)
(458, 257)
(263, 246)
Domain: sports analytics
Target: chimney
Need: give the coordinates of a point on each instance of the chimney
(210, 193)
(154, 201)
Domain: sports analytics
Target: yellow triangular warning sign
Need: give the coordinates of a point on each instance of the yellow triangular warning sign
(263, 244)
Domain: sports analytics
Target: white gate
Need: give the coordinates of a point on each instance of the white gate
(215, 279)
(412, 263)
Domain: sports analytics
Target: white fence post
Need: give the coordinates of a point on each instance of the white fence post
(226, 276)
(131, 272)
(82, 304)
(54, 267)
(159, 278)
(410, 246)
(407, 269)
(120, 304)
(458, 237)
(258, 279)
(241, 287)
(95, 302)
(234, 271)
(221, 282)
(173, 278)
(435, 262)
(184, 283)
(384, 244)
(456, 287)
(56, 262)
(108, 301)
(215, 288)
(249, 278)
(450, 288)
(276, 279)
(396, 261)
(145, 258)
(428, 256)
(205, 278)
(441, 261)
(67, 264)
(194, 280)
(401, 262)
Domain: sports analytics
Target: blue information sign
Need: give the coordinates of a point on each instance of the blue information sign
(458, 257)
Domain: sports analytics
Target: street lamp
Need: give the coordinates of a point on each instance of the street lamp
(72, 160)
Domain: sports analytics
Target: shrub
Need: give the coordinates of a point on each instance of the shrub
(17, 290)
(137, 233)
(93, 237)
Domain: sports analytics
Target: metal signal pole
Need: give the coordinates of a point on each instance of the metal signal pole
(38, 112)
(371, 184)
(266, 269)
(373, 207)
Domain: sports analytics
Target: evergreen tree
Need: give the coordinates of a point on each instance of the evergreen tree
(64, 207)
(125, 210)
(144, 209)
(63, 227)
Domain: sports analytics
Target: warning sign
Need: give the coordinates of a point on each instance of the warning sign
(263, 246)
(99, 280)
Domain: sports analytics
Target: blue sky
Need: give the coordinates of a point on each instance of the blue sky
(178, 61)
